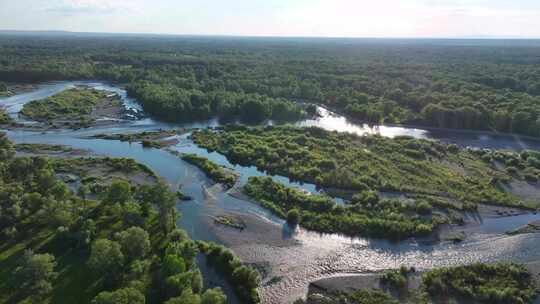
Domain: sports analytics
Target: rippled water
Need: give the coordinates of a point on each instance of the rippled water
(306, 256)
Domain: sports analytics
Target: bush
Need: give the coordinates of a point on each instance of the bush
(395, 278)
(502, 283)
(120, 296)
(423, 208)
(293, 217)
(35, 274)
(453, 148)
(245, 279)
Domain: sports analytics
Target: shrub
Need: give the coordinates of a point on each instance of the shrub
(395, 279)
(423, 208)
(293, 217)
(501, 283)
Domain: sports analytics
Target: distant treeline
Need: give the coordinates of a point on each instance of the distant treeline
(451, 84)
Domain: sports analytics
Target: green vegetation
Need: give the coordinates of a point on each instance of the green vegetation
(431, 172)
(74, 104)
(245, 279)
(150, 139)
(533, 227)
(230, 221)
(293, 217)
(217, 173)
(397, 279)
(37, 148)
(84, 166)
(63, 248)
(480, 84)
(364, 296)
(181, 196)
(177, 104)
(4, 117)
(439, 180)
(506, 283)
(4, 92)
(500, 283)
(386, 219)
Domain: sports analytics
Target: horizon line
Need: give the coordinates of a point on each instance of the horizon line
(468, 37)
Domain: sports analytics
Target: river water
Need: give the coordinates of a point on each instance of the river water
(296, 257)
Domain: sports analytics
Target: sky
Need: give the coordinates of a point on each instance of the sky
(319, 18)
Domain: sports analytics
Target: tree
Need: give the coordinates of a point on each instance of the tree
(293, 217)
(213, 296)
(160, 196)
(106, 258)
(178, 235)
(133, 214)
(120, 296)
(188, 250)
(119, 192)
(187, 297)
(177, 284)
(83, 191)
(173, 264)
(60, 191)
(197, 283)
(135, 243)
(3, 87)
(35, 274)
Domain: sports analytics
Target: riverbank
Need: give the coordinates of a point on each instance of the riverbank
(330, 287)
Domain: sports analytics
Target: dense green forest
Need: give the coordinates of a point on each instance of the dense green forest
(469, 84)
(116, 243)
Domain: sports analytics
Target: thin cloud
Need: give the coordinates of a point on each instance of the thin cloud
(95, 7)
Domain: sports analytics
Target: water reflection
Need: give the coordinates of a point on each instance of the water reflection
(334, 122)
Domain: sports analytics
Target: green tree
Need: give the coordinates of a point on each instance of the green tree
(173, 264)
(187, 297)
(119, 192)
(135, 243)
(133, 214)
(197, 283)
(106, 258)
(293, 217)
(35, 274)
(83, 191)
(177, 284)
(161, 196)
(213, 296)
(120, 296)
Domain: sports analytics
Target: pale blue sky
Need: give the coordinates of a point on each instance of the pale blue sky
(339, 18)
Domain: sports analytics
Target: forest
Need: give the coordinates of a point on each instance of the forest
(465, 84)
(116, 243)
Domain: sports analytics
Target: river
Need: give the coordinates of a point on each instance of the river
(293, 257)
